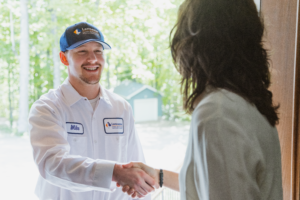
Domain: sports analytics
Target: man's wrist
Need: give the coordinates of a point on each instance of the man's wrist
(116, 171)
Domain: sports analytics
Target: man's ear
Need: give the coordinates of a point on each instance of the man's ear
(63, 58)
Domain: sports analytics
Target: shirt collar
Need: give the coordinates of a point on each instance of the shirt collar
(71, 96)
(103, 95)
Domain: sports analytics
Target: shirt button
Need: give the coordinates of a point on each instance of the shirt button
(74, 139)
(95, 141)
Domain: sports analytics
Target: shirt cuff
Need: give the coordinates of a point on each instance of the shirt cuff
(103, 174)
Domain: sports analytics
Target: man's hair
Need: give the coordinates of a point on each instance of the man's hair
(219, 42)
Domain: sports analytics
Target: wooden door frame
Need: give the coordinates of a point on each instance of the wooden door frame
(283, 40)
(296, 124)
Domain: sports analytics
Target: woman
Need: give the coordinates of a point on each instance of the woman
(233, 150)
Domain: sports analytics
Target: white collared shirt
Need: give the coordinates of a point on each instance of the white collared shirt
(76, 147)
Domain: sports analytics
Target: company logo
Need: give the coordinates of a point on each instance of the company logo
(107, 124)
(90, 31)
(114, 125)
(75, 127)
(77, 31)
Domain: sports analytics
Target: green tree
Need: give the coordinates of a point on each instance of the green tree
(137, 30)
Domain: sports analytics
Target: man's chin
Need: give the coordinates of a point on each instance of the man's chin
(93, 83)
(90, 81)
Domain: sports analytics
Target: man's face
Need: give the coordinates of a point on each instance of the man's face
(86, 63)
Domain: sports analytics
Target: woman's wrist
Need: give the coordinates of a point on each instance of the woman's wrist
(161, 177)
(157, 176)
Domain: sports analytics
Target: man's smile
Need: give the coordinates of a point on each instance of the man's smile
(90, 68)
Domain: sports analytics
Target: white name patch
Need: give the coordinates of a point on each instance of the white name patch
(113, 125)
(74, 128)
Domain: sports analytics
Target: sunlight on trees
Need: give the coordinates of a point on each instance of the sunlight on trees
(137, 30)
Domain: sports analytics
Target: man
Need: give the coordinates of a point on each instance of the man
(80, 131)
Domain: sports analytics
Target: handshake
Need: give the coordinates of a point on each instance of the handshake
(136, 178)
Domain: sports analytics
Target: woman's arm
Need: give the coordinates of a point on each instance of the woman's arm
(170, 180)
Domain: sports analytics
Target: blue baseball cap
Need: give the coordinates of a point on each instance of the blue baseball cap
(79, 34)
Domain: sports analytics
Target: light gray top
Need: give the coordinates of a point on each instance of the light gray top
(233, 152)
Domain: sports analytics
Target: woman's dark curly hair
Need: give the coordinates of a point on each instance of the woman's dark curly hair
(219, 42)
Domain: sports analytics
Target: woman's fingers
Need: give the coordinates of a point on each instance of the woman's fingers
(139, 196)
(152, 182)
(147, 188)
(141, 190)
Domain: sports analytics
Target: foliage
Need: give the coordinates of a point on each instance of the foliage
(137, 30)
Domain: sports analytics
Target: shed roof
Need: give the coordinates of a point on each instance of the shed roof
(128, 89)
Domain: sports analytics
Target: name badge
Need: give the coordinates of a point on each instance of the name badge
(113, 125)
(74, 128)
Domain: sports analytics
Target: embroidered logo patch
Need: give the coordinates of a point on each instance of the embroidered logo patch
(74, 128)
(77, 31)
(113, 125)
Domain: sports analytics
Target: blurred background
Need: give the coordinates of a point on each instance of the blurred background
(137, 30)
(139, 68)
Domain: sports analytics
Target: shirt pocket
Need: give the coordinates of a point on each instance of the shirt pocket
(78, 145)
(116, 147)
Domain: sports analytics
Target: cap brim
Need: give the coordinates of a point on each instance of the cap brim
(77, 44)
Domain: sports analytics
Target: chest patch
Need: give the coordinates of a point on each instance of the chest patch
(75, 128)
(113, 125)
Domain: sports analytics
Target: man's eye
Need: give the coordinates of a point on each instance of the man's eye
(82, 51)
(98, 51)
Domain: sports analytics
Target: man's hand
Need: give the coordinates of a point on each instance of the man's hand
(154, 173)
(135, 178)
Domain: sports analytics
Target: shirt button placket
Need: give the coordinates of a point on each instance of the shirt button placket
(94, 129)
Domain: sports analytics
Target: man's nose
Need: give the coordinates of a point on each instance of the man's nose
(92, 57)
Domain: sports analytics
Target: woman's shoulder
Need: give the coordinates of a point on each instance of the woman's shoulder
(216, 102)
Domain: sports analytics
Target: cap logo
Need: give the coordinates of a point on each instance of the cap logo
(79, 34)
(90, 31)
(77, 31)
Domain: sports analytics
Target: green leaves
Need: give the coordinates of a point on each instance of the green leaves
(137, 30)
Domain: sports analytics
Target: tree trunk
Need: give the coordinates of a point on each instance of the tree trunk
(9, 98)
(12, 37)
(12, 33)
(55, 54)
(24, 68)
